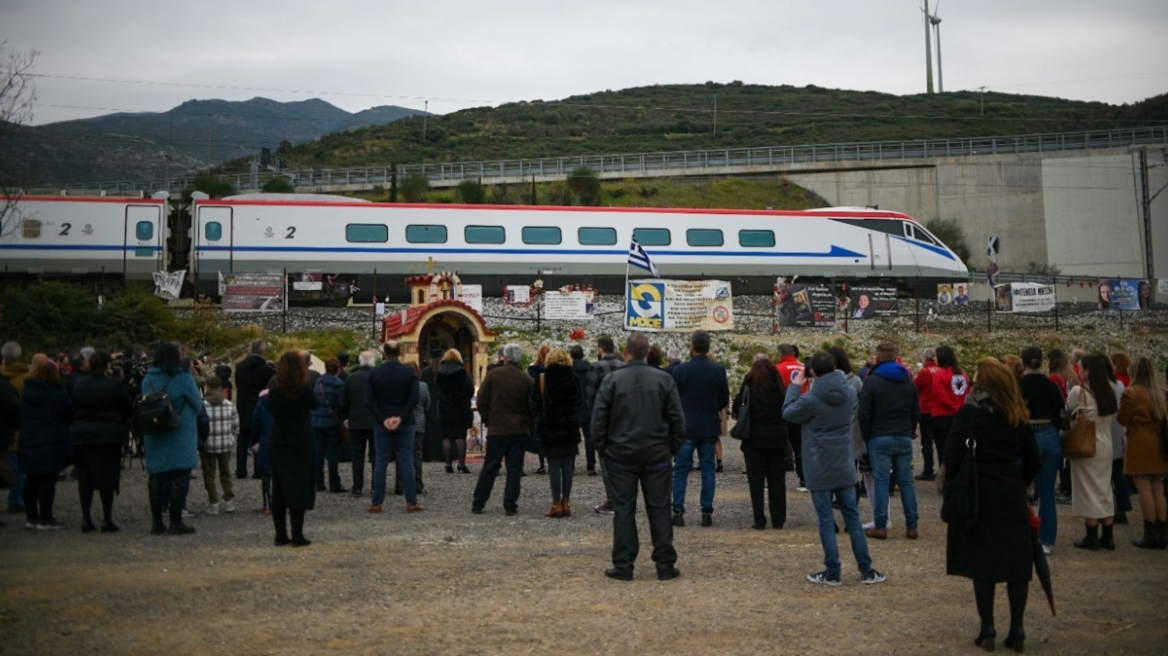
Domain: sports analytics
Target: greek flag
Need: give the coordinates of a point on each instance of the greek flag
(639, 258)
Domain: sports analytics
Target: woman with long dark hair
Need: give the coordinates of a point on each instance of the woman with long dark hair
(455, 389)
(101, 427)
(291, 401)
(1142, 409)
(950, 387)
(45, 412)
(766, 450)
(997, 548)
(558, 396)
(1045, 403)
(171, 455)
(537, 428)
(1092, 497)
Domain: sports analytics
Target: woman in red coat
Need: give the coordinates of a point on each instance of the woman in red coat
(950, 387)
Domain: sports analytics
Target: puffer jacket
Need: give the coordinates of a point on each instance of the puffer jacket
(637, 416)
(825, 412)
(328, 401)
(889, 403)
(45, 413)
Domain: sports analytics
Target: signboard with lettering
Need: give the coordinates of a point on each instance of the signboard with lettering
(253, 291)
(679, 305)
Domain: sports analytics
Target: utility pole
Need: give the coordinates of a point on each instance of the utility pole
(715, 116)
(982, 90)
(425, 119)
(1146, 210)
(928, 51)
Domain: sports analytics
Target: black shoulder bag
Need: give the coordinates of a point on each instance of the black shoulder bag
(155, 414)
(741, 430)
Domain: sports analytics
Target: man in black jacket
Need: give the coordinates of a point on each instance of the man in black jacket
(889, 413)
(637, 427)
(358, 419)
(252, 375)
(391, 392)
(581, 368)
(705, 393)
(606, 363)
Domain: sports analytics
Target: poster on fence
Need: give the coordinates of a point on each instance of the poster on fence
(517, 295)
(679, 305)
(472, 295)
(803, 305)
(1124, 294)
(1024, 297)
(868, 302)
(566, 306)
(1162, 288)
(253, 291)
(308, 281)
(953, 295)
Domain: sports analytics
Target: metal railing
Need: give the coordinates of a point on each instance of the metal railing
(730, 160)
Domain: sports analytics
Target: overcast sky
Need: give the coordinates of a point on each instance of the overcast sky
(466, 53)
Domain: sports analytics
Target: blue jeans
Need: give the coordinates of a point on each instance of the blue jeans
(893, 454)
(401, 443)
(16, 492)
(327, 446)
(681, 468)
(823, 512)
(1050, 456)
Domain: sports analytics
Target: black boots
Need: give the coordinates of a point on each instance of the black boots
(1154, 537)
(155, 488)
(1107, 540)
(177, 484)
(1089, 541)
(1162, 532)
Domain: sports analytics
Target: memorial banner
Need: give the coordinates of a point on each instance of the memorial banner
(868, 302)
(804, 305)
(169, 285)
(253, 291)
(1003, 298)
(472, 295)
(1124, 294)
(1024, 297)
(517, 295)
(567, 306)
(679, 305)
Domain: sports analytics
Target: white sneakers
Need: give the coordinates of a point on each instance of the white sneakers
(213, 509)
(229, 506)
(872, 524)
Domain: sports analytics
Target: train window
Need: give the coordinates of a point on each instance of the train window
(426, 234)
(703, 237)
(366, 233)
(213, 231)
(916, 232)
(144, 231)
(597, 236)
(485, 234)
(30, 229)
(652, 236)
(541, 235)
(756, 238)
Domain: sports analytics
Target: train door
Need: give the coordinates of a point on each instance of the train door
(880, 249)
(143, 251)
(214, 237)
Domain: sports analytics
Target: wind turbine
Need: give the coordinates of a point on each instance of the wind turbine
(935, 21)
(928, 48)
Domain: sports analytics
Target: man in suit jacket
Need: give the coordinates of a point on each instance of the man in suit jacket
(701, 382)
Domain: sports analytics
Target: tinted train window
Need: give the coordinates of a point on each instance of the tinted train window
(541, 235)
(652, 236)
(30, 229)
(426, 234)
(703, 237)
(916, 232)
(366, 233)
(756, 238)
(597, 236)
(485, 235)
(144, 231)
(213, 231)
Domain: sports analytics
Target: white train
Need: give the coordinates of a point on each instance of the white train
(270, 232)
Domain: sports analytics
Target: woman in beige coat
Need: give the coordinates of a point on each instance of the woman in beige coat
(1141, 410)
(1092, 497)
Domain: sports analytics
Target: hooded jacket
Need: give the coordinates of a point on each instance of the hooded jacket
(825, 413)
(45, 413)
(889, 403)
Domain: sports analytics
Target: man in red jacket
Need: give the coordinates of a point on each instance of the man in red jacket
(789, 365)
(924, 384)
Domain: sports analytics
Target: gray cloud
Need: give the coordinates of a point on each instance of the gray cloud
(460, 53)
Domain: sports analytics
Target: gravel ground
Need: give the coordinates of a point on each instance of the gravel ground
(448, 582)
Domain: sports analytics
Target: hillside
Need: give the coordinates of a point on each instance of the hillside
(682, 117)
(134, 146)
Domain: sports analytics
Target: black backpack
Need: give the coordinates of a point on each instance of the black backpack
(155, 414)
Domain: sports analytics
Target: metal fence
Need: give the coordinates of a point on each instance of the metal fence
(664, 163)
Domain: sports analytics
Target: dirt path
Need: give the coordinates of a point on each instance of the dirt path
(448, 582)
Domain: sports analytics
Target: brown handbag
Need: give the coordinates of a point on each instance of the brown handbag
(1079, 442)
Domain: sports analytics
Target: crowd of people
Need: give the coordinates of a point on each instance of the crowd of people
(846, 434)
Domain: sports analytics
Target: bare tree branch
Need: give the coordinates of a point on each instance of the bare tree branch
(17, 98)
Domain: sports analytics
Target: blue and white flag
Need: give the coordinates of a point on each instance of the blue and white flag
(639, 258)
